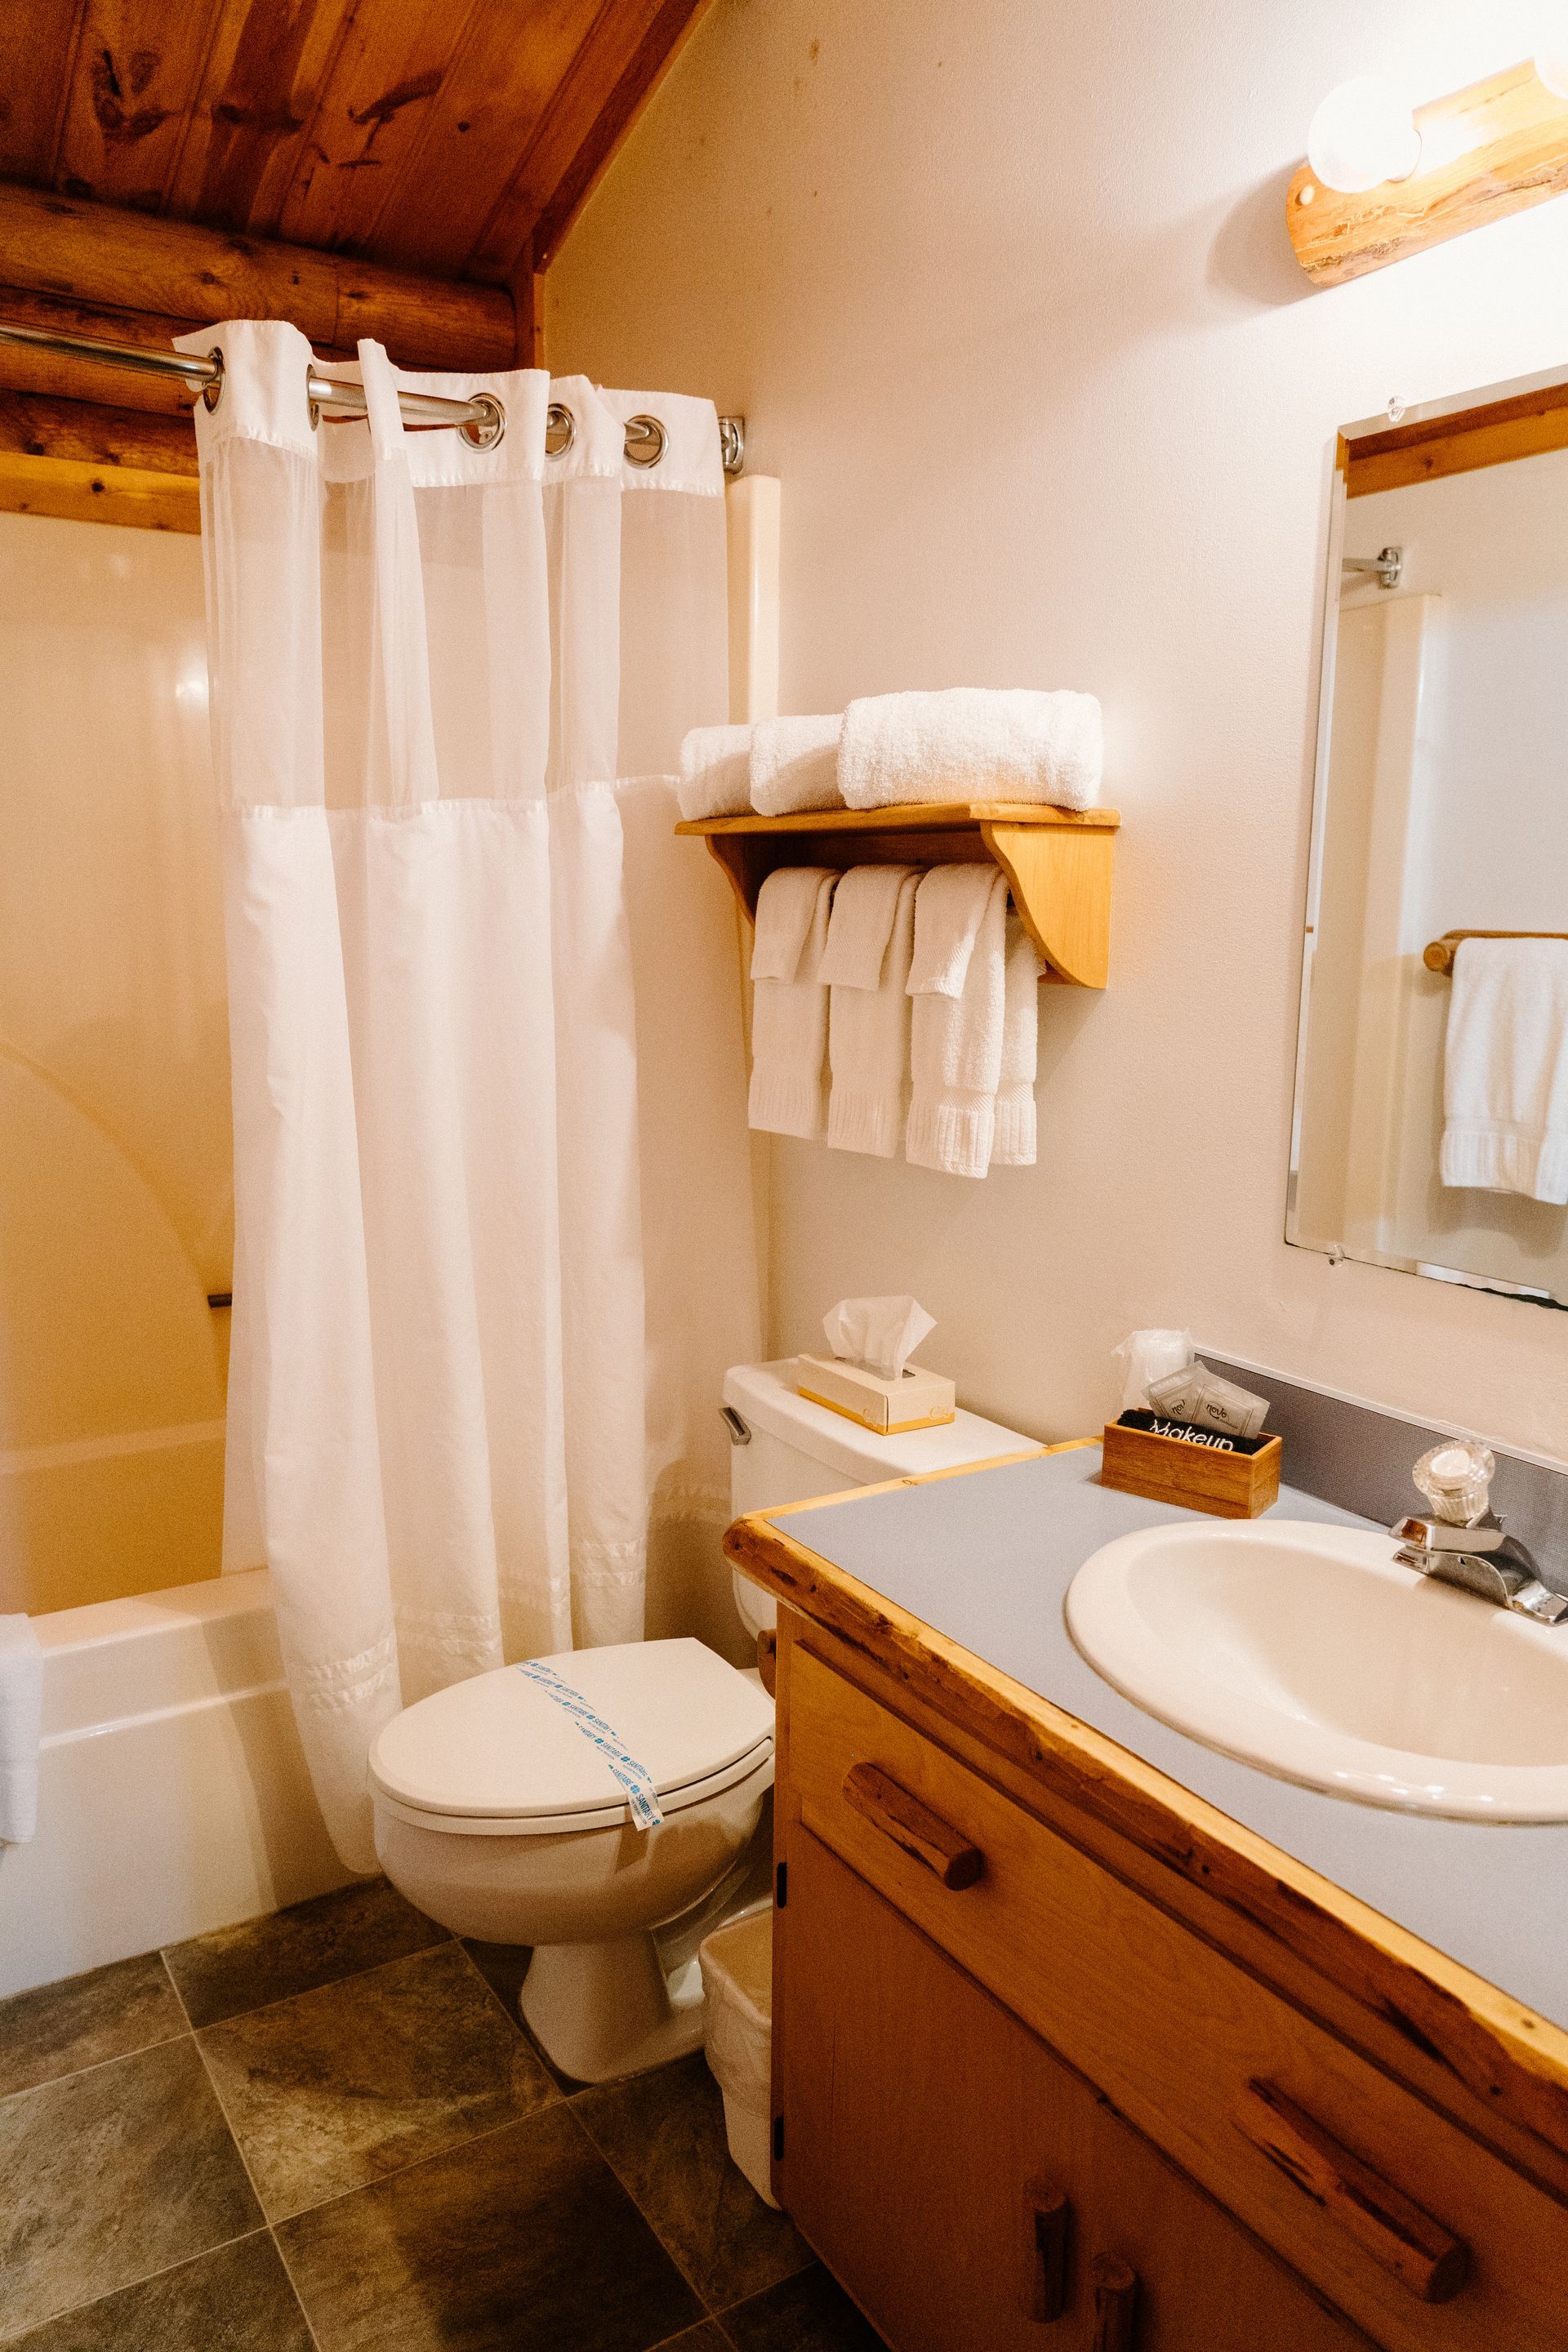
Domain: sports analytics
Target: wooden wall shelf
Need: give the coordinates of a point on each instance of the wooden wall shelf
(1056, 861)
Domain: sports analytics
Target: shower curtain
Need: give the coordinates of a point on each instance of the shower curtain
(493, 1231)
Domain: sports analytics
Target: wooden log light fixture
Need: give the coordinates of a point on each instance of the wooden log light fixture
(1383, 182)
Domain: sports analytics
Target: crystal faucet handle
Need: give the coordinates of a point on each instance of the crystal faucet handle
(1456, 1478)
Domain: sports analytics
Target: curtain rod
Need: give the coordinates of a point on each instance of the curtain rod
(481, 421)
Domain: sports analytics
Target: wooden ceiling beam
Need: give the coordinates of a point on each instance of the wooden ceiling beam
(615, 72)
(85, 463)
(67, 248)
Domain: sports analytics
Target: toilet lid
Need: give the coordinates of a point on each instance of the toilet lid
(496, 1747)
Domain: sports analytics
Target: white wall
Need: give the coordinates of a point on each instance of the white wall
(1004, 293)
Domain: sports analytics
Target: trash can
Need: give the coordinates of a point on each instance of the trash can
(737, 1963)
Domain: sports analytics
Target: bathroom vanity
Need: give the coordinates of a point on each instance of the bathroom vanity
(1087, 2034)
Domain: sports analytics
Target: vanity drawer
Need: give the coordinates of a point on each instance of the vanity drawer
(1420, 2233)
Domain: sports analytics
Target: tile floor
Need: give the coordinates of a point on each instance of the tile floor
(326, 2131)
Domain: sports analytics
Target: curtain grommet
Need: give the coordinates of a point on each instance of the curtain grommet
(212, 391)
(313, 406)
(484, 431)
(560, 430)
(646, 441)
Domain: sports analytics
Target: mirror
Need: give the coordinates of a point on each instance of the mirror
(1431, 1121)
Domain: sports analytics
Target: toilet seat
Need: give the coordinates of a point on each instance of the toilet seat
(495, 1757)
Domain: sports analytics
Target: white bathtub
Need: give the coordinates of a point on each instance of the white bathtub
(172, 1794)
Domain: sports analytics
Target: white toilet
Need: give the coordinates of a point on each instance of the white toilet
(498, 1817)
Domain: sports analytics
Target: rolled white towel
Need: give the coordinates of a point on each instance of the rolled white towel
(715, 772)
(1014, 1142)
(789, 1002)
(794, 764)
(972, 743)
(870, 939)
(21, 1724)
(955, 1040)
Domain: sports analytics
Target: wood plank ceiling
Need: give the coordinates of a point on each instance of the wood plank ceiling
(452, 141)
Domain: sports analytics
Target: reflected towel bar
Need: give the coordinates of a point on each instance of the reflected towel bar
(1439, 954)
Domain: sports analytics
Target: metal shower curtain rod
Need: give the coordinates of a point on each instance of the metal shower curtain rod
(481, 421)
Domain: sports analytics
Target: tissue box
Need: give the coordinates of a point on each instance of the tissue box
(917, 1400)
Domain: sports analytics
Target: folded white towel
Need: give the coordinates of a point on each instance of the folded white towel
(794, 764)
(789, 1003)
(1013, 1145)
(21, 1722)
(972, 743)
(715, 772)
(869, 941)
(1505, 1078)
(955, 1040)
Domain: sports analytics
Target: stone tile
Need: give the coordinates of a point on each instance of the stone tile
(237, 2299)
(664, 2135)
(316, 1943)
(339, 2086)
(522, 2241)
(108, 2175)
(809, 2312)
(503, 1968)
(106, 2013)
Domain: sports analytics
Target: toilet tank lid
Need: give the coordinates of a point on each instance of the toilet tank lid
(496, 1747)
(765, 1395)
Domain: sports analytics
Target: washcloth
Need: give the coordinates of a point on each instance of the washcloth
(955, 1040)
(972, 743)
(794, 764)
(1505, 1078)
(789, 1002)
(21, 1722)
(1013, 1145)
(870, 939)
(715, 772)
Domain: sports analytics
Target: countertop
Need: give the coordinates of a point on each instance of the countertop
(987, 1559)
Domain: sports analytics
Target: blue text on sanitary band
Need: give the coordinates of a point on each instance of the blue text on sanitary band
(635, 1778)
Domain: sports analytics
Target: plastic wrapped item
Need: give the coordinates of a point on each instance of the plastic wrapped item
(1146, 1356)
(1199, 1395)
(1456, 1478)
(737, 1963)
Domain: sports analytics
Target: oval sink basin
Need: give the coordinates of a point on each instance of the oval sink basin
(1308, 1651)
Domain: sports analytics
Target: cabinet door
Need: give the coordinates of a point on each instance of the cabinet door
(926, 2133)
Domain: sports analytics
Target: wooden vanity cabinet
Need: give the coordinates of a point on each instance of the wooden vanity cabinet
(965, 2184)
(1019, 2102)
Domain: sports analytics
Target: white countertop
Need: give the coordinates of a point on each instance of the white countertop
(986, 1560)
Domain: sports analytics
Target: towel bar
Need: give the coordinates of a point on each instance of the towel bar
(1056, 861)
(1439, 954)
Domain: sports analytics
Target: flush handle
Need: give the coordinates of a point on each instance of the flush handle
(923, 1835)
(1421, 2253)
(740, 1431)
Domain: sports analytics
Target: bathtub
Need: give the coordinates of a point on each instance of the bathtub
(172, 1793)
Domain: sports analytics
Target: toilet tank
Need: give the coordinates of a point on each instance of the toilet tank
(795, 1450)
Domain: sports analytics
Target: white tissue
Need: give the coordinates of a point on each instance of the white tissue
(1146, 1356)
(882, 1334)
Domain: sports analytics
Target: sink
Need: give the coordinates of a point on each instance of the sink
(1308, 1651)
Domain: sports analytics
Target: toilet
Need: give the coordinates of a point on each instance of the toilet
(501, 1819)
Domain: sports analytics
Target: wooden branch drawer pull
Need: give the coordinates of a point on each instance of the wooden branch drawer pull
(1423, 2254)
(921, 1834)
(1046, 2220)
(768, 1662)
(1114, 2286)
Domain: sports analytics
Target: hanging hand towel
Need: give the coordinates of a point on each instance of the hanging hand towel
(794, 764)
(972, 743)
(866, 966)
(955, 1040)
(21, 1722)
(789, 1002)
(715, 772)
(1013, 1145)
(1505, 1081)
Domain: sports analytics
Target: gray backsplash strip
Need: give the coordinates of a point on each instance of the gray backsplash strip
(1360, 1458)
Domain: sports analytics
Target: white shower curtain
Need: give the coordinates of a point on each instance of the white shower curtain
(493, 1238)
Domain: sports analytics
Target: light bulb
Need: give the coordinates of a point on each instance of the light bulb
(1362, 135)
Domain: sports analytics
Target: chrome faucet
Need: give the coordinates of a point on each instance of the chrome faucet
(1485, 1560)
(1463, 1542)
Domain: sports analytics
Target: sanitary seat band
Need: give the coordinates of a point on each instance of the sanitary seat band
(635, 1778)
